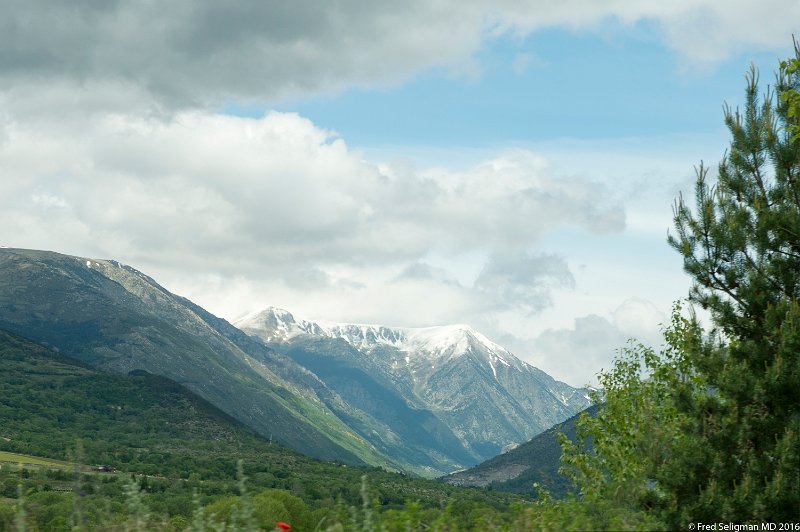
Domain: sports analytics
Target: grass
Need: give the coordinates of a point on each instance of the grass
(32, 460)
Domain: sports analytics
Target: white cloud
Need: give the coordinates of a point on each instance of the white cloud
(290, 207)
(238, 213)
(108, 148)
(48, 201)
(640, 319)
(189, 53)
(580, 352)
(523, 281)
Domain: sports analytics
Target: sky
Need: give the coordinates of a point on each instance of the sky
(511, 165)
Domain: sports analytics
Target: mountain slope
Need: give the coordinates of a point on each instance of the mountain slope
(536, 461)
(115, 318)
(49, 401)
(149, 425)
(457, 397)
(395, 426)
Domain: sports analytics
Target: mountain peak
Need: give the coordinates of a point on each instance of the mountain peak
(269, 315)
(280, 323)
(274, 324)
(444, 336)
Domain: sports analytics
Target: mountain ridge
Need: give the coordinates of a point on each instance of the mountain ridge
(358, 334)
(435, 341)
(428, 400)
(118, 319)
(485, 397)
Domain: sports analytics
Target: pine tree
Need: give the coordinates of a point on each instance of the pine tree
(707, 430)
(741, 245)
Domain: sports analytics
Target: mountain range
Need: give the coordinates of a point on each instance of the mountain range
(421, 400)
(448, 392)
(117, 319)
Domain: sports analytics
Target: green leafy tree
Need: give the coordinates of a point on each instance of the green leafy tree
(708, 429)
(623, 460)
(790, 96)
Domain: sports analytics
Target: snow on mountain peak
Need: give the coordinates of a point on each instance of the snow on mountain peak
(279, 324)
(441, 338)
(433, 343)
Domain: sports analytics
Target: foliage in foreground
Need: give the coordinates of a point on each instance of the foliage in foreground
(123, 502)
(708, 429)
(742, 247)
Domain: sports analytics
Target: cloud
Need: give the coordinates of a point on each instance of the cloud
(189, 53)
(711, 31)
(238, 213)
(420, 271)
(523, 280)
(193, 53)
(249, 195)
(511, 200)
(640, 319)
(110, 147)
(580, 352)
(508, 282)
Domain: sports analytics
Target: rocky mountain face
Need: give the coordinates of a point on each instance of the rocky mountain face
(117, 319)
(451, 396)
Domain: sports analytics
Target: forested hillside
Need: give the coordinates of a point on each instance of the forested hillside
(171, 444)
(529, 468)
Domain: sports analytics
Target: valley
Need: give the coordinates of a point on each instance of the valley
(180, 451)
(426, 401)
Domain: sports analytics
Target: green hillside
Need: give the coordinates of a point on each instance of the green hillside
(132, 422)
(117, 319)
(543, 455)
(534, 462)
(171, 441)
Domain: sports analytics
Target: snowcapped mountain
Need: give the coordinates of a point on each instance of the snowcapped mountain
(427, 401)
(421, 346)
(477, 397)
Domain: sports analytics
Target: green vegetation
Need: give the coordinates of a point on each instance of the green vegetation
(708, 429)
(24, 459)
(789, 94)
(182, 454)
(742, 246)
